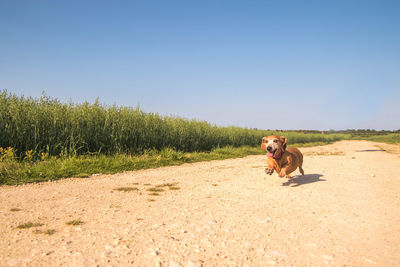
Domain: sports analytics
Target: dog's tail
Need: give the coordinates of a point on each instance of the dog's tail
(301, 170)
(301, 164)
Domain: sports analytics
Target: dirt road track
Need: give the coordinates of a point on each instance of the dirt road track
(344, 211)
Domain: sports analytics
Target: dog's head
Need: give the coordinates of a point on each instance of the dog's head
(275, 145)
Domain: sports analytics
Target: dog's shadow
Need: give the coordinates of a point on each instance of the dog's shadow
(304, 179)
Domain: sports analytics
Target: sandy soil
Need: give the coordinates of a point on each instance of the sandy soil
(344, 211)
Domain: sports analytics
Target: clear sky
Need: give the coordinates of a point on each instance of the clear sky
(259, 64)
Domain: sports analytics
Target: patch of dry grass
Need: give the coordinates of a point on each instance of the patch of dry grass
(29, 225)
(74, 222)
(15, 209)
(174, 188)
(171, 186)
(324, 153)
(155, 189)
(46, 232)
(167, 184)
(126, 189)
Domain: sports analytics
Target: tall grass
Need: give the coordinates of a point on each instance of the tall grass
(393, 138)
(13, 172)
(45, 126)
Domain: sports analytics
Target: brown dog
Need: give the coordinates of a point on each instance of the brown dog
(281, 159)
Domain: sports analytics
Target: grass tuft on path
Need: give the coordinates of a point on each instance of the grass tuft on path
(29, 225)
(74, 222)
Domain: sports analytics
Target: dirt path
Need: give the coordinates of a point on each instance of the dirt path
(344, 211)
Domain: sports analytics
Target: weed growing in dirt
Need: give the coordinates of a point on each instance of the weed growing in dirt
(167, 184)
(29, 225)
(171, 186)
(46, 232)
(155, 189)
(151, 200)
(15, 209)
(74, 222)
(49, 231)
(126, 189)
(154, 194)
(174, 188)
(324, 153)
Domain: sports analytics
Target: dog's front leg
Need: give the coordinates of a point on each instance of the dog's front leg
(270, 167)
(284, 171)
(269, 171)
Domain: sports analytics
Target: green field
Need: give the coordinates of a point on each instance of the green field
(44, 139)
(47, 126)
(392, 138)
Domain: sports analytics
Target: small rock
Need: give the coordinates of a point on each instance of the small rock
(190, 264)
(155, 253)
(327, 257)
(370, 261)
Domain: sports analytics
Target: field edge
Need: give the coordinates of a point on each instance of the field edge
(51, 169)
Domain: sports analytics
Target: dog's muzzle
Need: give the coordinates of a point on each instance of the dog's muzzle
(271, 151)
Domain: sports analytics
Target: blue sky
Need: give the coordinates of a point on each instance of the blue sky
(259, 64)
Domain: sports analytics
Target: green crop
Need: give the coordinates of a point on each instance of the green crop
(36, 129)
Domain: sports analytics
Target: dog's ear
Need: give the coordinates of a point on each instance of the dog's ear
(284, 142)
